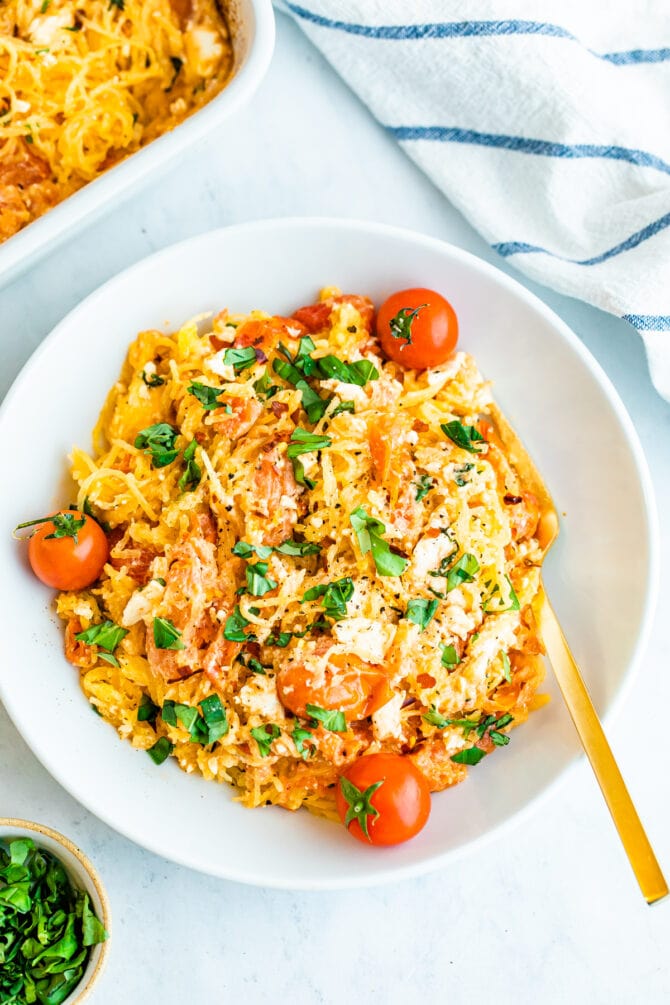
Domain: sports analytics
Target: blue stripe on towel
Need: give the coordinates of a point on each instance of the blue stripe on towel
(523, 144)
(637, 56)
(649, 322)
(477, 29)
(509, 248)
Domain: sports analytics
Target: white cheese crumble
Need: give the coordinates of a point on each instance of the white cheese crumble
(386, 721)
(142, 604)
(369, 640)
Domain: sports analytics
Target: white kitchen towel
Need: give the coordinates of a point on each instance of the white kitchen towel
(546, 122)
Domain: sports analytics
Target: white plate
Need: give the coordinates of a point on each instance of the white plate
(601, 575)
(253, 31)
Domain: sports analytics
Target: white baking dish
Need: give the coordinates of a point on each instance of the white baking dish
(253, 29)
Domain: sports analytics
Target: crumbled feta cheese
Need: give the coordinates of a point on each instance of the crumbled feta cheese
(428, 554)
(386, 721)
(366, 639)
(142, 604)
(203, 50)
(43, 29)
(84, 609)
(216, 365)
(259, 696)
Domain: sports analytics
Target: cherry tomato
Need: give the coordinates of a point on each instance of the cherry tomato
(383, 799)
(68, 550)
(417, 328)
(347, 684)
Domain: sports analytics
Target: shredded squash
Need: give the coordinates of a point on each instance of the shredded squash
(340, 552)
(83, 84)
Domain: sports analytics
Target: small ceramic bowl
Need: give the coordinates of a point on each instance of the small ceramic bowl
(83, 875)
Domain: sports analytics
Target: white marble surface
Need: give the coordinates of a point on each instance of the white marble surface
(549, 913)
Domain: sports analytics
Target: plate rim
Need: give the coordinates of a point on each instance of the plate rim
(638, 456)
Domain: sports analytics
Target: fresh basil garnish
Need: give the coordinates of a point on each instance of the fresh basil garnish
(264, 737)
(234, 627)
(240, 359)
(206, 395)
(158, 441)
(369, 533)
(462, 436)
(421, 611)
(332, 720)
(334, 597)
(161, 750)
(166, 635)
(304, 442)
(258, 583)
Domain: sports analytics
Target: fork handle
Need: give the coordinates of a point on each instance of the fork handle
(635, 841)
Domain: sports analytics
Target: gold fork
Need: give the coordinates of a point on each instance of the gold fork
(597, 749)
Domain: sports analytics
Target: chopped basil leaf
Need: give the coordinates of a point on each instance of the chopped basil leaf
(166, 636)
(507, 666)
(281, 639)
(513, 600)
(192, 472)
(471, 755)
(147, 711)
(252, 664)
(449, 657)
(161, 750)
(344, 406)
(358, 373)
(240, 359)
(368, 531)
(264, 388)
(47, 927)
(159, 442)
(152, 379)
(206, 395)
(214, 717)
(109, 658)
(421, 611)
(264, 737)
(286, 371)
(244, 550)
(300, 548)
(107, 635)
(423, 486)
(299, 737)
(313, 403)
(233, 629)
(304, 442)
(334, 597)
(299, 474)
(462, 571)
(258, 583)
(462, 436)
(334, 721)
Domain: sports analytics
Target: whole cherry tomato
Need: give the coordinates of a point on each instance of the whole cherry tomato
(382, 799)
(68, 550)
(417, 328)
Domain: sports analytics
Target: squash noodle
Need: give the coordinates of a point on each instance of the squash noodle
(83, 84)
(473, 657)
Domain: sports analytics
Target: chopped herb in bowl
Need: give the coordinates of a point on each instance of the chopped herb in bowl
(47, 927)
